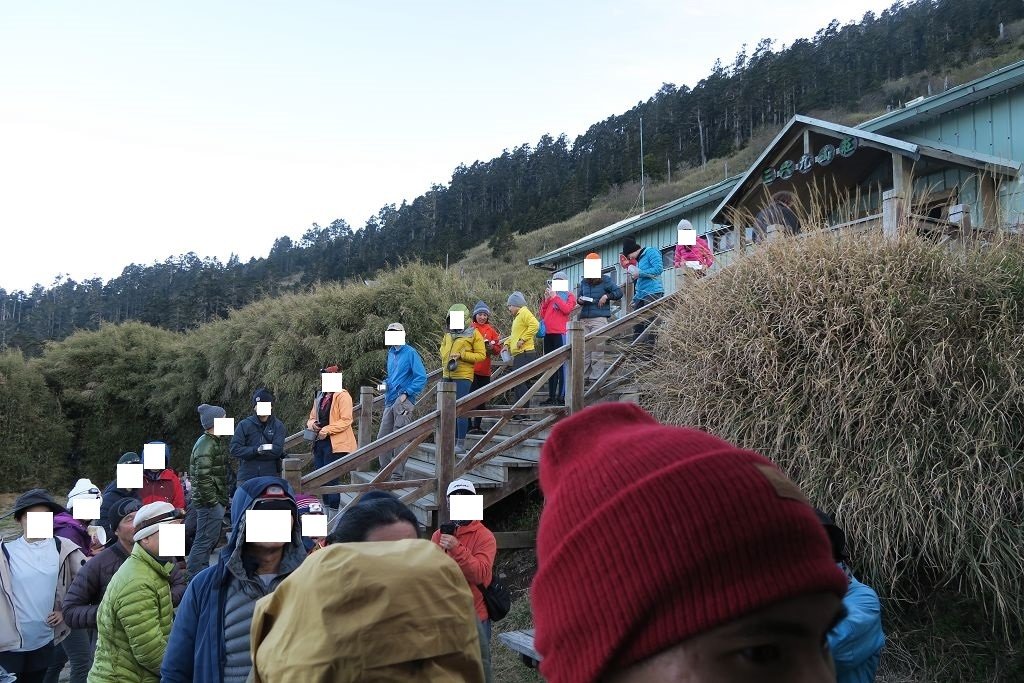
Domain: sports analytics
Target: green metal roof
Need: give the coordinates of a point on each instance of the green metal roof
(913, 149)
(962, 95)
(629, 225)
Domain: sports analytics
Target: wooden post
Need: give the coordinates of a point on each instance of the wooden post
(892, 213)
(293, 474)
(364, 435)
(627, 299)
(574, 384)
(444, 446)
(987, 195)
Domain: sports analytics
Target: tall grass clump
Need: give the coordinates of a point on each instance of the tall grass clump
(887, 378)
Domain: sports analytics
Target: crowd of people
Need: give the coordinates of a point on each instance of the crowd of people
(664, 553)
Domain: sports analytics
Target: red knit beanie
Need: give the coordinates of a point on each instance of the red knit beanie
(653, 534)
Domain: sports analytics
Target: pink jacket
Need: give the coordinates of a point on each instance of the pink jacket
(555, 312)
(700, 252)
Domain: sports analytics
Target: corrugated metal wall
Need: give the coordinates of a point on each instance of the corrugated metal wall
(988, 127)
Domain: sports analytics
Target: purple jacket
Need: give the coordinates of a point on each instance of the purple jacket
(66, 526)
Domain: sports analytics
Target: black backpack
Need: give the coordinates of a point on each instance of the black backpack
(497, 598)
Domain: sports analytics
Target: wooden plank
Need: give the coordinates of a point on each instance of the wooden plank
(574, 399)
(521, 642)
(372, 486)
(512, 540)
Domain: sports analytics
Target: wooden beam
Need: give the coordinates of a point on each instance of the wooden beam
(575, 380)
(444, 442)
(988, 197)
(512, 540)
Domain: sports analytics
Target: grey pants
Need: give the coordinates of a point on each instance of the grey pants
(593, 361)
(77, 649)
(518, 361)
(484, 630)
(208, 526)
(390, 421)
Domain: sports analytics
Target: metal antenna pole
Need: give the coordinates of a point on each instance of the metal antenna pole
(643, 203)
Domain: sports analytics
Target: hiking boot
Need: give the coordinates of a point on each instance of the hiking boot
(460, 446)
(397, 476)
(476, 431)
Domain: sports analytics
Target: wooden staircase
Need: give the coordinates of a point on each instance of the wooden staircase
(509, 458)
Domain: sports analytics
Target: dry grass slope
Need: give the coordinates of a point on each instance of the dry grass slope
(887, 378)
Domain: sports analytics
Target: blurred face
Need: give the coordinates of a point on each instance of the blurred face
(784, 643)
(482, 318)
(126, 529)
(152, 542)
(513, 309)
(23, 519)
(396, 531)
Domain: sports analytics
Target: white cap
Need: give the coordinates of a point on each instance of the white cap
(83, 488)
(149, 517)
(461, 485)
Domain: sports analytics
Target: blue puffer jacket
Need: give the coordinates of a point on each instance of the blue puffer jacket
(406, 374)
(649, 283)
(197, 649)
(595, 292)
(856, 641)
(250, 434)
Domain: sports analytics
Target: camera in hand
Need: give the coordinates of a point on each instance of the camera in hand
(452, 364)
(586, 299)
(448, 528)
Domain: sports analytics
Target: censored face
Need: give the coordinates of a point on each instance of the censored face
(782, 643)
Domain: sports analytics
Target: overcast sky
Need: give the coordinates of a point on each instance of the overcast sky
(132, 131)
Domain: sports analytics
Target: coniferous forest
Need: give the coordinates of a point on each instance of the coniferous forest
(530, 186)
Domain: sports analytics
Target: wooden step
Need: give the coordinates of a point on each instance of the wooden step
(495, 468)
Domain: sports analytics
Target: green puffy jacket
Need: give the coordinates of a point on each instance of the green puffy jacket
(134, 622)
(208, 471)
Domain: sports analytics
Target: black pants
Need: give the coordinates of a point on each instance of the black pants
(478, 382)
(518, 361)
(30, 666)
(556, 383)
(640, 327)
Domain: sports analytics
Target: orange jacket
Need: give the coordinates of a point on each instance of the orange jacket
(488, 332)
(343, 440)
(475, 557)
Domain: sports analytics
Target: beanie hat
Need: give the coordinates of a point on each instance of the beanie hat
(262, 396)
(481, 307)
(208, 413)
(516, 299)
(149, 518)
(129, 458)
(83, 488)
(714, 533)
(629, 245)
(120, 510)
(684, 225)
(559, 275)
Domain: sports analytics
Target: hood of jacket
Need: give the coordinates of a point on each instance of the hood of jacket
(395, 592)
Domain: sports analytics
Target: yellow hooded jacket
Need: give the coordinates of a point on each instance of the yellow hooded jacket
(396, 611)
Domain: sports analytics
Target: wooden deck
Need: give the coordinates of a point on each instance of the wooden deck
(521, 642)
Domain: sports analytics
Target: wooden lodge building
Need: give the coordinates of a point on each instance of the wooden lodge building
(950, 162)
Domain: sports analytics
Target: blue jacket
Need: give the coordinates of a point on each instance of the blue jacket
(406, 374)
(595, 292)
(650, 266)
(250, 434)
(195, 650)
(856, 642)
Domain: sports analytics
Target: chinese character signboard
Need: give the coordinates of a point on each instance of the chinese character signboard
(825, 156)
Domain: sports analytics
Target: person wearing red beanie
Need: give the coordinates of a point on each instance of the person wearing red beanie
(668, 554)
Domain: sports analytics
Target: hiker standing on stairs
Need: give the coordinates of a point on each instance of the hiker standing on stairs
(462, 347)
(331, 419)
(558, 304)
(482, 370)
(473, 547)
(520, 343)
(595, 297)
(402, 385)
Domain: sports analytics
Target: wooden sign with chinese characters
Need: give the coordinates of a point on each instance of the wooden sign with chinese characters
(824, 157)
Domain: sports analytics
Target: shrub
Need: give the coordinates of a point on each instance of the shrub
(36, 437)
(887, 378)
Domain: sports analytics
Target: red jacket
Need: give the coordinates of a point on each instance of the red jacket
(555, 312)
(475, 557)
(166, 488)
(488, 332)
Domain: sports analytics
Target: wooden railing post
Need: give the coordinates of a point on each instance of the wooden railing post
(444, 445)
(293, 474)
(364, 435)
(574, 383)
